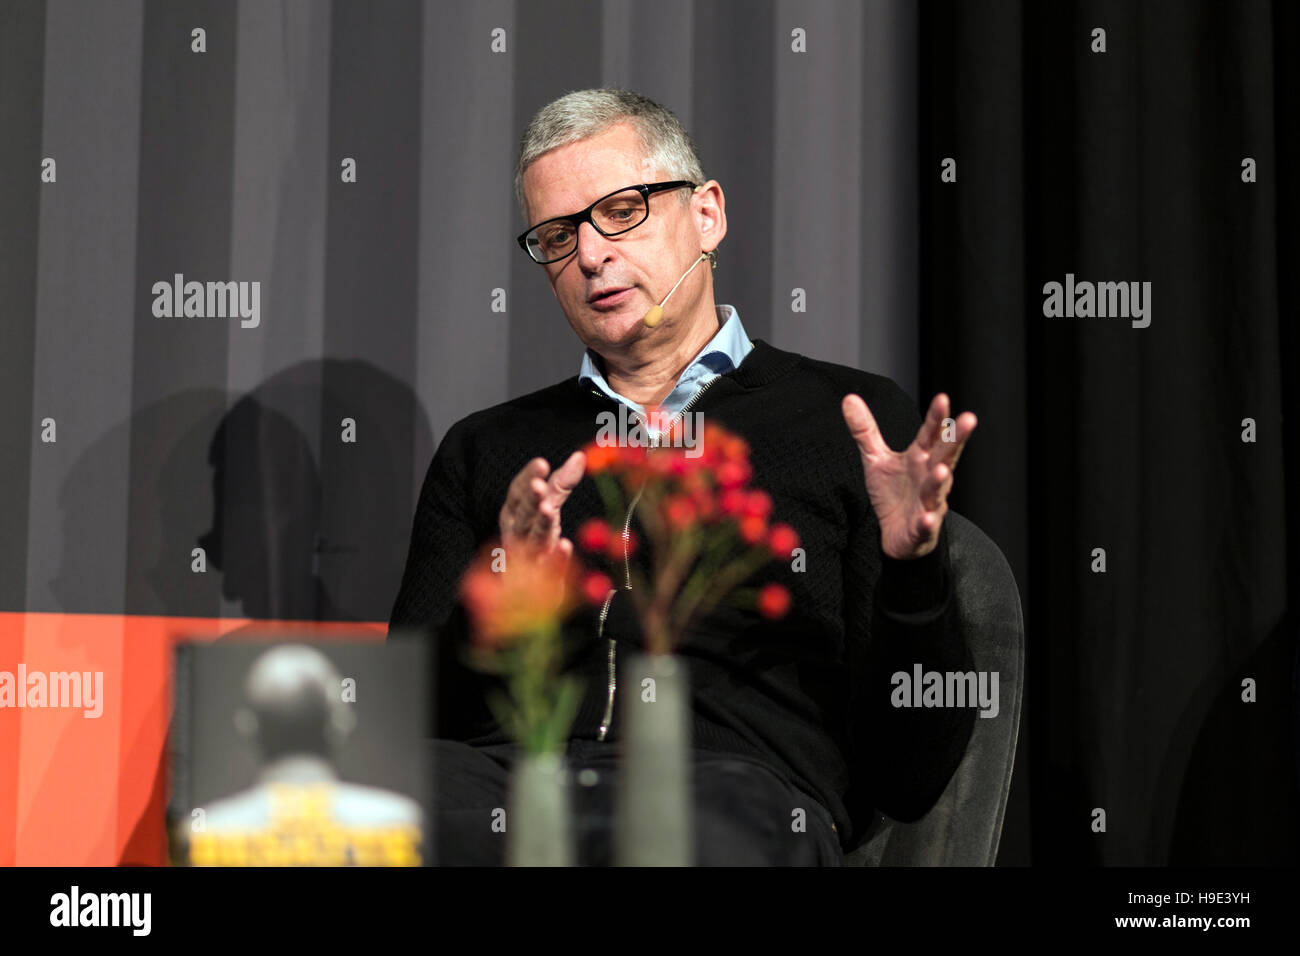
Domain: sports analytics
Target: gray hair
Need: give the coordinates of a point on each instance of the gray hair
(583, 114)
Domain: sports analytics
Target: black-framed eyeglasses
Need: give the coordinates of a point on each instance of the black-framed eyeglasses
(612, 215)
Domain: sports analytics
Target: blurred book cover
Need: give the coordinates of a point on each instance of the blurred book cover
(300, 753)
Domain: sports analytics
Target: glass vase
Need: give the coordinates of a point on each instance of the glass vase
(539, 829)
(654, 819)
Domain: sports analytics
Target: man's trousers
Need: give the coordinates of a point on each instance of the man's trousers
(744, 811)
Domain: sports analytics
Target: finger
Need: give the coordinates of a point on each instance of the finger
(548, 521)
(918, 531)
(514, 511)
(536, 514)
(536, 468)
(934, 490)
(949, 452)
(862, 426)
(561, 484)
(928, 525)
(567, 476)
(929, 430)
(924, 527)
(564, 548)
(524, 523)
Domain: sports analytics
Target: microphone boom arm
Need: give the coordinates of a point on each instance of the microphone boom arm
(654, 315)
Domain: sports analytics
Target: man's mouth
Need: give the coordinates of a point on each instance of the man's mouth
(610, 297)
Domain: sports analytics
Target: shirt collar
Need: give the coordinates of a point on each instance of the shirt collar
(724, 352)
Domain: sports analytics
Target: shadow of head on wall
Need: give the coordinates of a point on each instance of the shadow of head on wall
(300, 516)
(312, 490)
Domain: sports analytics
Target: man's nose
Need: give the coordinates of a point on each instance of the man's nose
(593, 248)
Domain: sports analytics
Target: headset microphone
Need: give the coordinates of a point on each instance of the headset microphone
(654, 315)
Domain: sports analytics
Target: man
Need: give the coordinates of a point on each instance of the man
(787, 714)
(299, 811)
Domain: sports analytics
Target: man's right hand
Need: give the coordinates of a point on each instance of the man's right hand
(530, 517)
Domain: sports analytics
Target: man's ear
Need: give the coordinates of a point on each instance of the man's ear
(719, 230)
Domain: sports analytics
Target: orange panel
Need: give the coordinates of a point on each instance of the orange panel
(84, 790)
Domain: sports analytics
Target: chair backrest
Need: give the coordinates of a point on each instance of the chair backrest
(964, 827)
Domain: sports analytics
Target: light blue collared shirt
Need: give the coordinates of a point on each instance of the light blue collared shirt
(725, 351)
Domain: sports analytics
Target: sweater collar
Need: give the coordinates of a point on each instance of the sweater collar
(764, 364)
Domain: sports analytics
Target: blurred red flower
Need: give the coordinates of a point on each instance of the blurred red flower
(618, 544)
(596, 587)
(758, 503)
(782, 540)
(600, 458)
(773, 600)
(733, 502)
(701, 491)
(680, 512)
(752, 529)
(594, 535)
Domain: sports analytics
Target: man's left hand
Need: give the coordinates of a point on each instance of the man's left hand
(909, 489)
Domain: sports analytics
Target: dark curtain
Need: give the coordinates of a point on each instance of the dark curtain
(1127, 166)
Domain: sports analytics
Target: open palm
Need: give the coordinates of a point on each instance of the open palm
(909, 489)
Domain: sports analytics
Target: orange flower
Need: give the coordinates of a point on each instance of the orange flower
(735, 448)
(695, 477)
(782, 540)
(704, 495)
(713, 439)
(733, 474)
(705, 504)
(732, 502)
(680, 511)
(752, 529)
(510, 595)
(594, 535)
(596, 587)
(758, 504)
(614, 549)
(632, 463)
(600, 458)
(773, 600)
(660, 462)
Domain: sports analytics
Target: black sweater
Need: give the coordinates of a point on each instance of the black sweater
(808, 694)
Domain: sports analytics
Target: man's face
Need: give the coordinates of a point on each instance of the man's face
(645, 262)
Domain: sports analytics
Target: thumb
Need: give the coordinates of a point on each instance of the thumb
(565, 548)
(565, 478)
(862, 426)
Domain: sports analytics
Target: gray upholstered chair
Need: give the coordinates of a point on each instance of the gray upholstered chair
(963, 828)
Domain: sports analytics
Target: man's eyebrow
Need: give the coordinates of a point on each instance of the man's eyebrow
(558, 215)
(598, 196)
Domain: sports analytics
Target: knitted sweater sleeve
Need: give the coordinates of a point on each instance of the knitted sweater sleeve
(907, 754)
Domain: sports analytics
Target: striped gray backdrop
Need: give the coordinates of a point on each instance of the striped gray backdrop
(375, 296)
